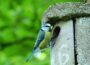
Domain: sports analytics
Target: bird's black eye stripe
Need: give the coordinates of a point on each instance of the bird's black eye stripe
(47, 26)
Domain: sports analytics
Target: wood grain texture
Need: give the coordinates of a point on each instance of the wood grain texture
(83, 40)
(63, 51)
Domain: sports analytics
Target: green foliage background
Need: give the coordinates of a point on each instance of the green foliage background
(20, 21)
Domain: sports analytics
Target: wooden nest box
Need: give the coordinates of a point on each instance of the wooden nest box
(72, 45)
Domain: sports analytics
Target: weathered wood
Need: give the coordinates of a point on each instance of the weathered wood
(83, 40)
(63, 51)
(72, 45)
(64, 11)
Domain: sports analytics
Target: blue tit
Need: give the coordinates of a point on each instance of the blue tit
(43, 39)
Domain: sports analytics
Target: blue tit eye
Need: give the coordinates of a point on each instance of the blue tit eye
(46, 25)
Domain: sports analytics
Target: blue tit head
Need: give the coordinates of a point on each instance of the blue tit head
(46, 27)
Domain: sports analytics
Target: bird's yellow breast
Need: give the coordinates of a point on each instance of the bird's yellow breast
(45, 41)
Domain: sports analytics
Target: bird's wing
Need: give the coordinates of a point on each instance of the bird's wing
(40, 38)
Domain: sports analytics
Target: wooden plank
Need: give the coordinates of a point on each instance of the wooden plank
(83, 40)
(63, 51)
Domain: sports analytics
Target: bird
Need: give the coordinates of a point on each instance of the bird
(43, 39)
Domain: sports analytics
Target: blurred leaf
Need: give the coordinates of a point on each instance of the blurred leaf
(21, 32)
(7, 35)
(3, 57)
(2, 23)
